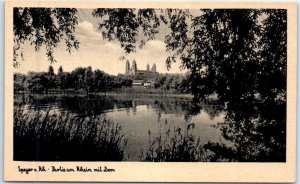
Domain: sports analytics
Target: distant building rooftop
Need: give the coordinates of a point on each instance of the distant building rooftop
(137, 82)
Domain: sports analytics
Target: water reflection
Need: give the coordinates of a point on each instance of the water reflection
(92, 105)
(246, 130)
(257, 129)
(137, 115)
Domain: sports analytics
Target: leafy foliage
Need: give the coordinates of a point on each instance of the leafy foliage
(273, 53)
(173, 82)
(125, 25)
(43, 27)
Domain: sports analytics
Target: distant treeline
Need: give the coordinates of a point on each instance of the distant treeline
(87, 80)
(84, 79)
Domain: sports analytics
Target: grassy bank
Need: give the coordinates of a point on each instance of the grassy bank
(51, 136)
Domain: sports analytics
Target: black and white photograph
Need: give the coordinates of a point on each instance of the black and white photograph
(149, 84)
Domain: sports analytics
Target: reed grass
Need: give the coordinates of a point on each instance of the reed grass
(176, 146)
(48, 135)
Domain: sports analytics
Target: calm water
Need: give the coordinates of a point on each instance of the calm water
(138, 116)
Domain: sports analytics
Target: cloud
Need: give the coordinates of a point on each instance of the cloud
(156, 44)
(114, 46)
(86, 29)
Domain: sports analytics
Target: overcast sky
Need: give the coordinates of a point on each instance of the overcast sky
(96, 52)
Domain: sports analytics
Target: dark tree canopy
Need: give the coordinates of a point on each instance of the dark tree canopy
(229, 52)
(226, 50)
(273, 53)
(127, 25)
(222, 51)
(44, 27)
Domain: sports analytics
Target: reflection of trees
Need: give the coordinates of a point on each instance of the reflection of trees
(34, 101)
(188, 108)
(122, 104)
(191, 109)
(174, 106)
(257, 129)
(95, 105)
(134, 106)
(81, 105)
(212, 107)
(86, 105)
(213, 111)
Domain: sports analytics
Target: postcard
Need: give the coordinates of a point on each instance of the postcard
(150, 92)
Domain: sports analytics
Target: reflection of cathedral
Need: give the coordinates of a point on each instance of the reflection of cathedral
(140, 74)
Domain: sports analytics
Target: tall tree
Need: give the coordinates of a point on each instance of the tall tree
(51, 78)
(273, 53)
(222, 52)
(60, 78)
(50, 71)
(88, 79)
(99, 80)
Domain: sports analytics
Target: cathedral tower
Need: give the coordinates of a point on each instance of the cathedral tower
(127, 68)
(153, 69)
(134, 68)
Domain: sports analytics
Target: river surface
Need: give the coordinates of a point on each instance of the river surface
(141, 118)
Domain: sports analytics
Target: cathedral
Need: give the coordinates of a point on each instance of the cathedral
(136, 74)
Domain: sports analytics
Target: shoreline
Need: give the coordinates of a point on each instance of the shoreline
(174, 95)
(168, 95)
